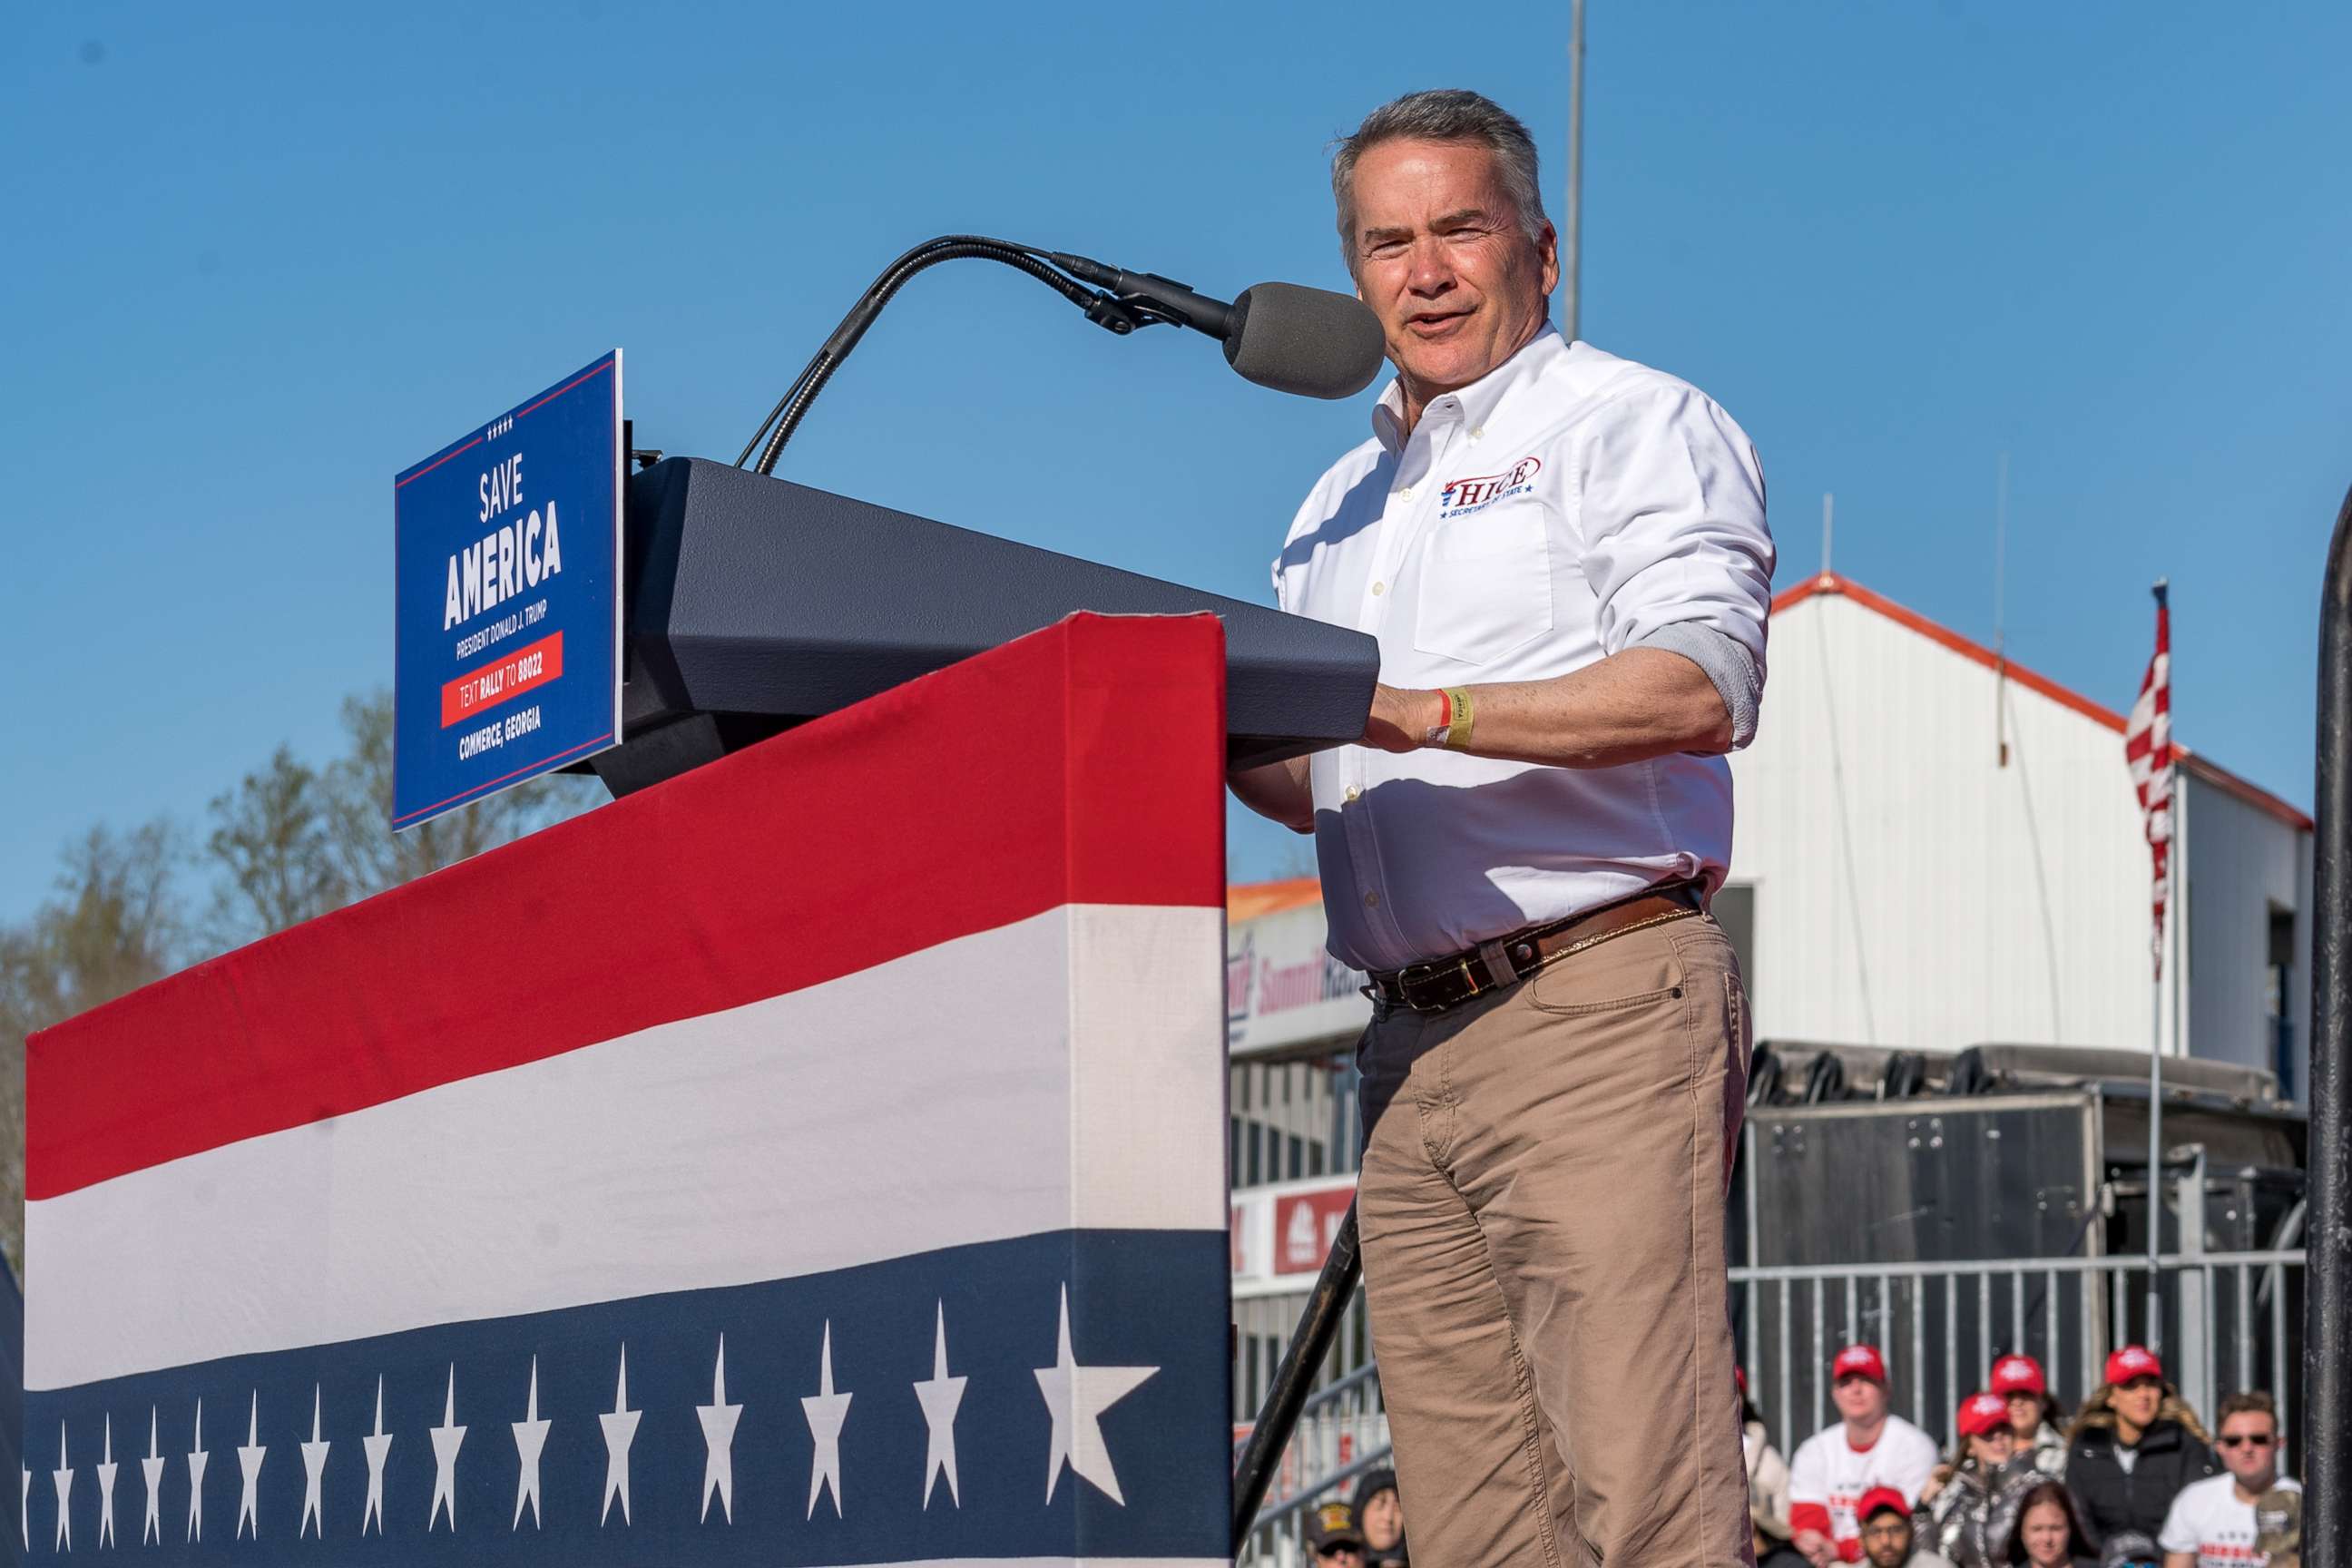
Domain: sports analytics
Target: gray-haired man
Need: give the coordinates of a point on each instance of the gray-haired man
(1564, 557)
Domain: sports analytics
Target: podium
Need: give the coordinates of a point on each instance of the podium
(817, 1157)
(755, 604)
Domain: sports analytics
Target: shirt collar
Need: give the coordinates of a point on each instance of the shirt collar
(1476, 401)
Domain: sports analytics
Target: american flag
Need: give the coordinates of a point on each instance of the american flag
(816, 1159)
(2148, 749)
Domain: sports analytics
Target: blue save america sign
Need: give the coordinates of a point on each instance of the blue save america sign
(506, 614)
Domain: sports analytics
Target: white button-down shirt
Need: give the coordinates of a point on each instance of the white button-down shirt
(1569, 506)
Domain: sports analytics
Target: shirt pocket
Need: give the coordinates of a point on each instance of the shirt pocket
(1486, 583)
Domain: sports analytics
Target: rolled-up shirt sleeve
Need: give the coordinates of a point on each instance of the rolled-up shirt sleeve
(1670, 505)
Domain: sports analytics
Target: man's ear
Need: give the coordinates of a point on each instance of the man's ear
(1547, 243)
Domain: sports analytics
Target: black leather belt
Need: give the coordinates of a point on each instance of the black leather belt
(1443, 982)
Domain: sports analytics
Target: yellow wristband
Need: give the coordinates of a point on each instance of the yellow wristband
(1457, 729)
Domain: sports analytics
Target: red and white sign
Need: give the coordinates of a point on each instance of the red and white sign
(1281, 1234)
(1282, 988)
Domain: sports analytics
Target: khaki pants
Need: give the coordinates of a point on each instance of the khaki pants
(1542, 1209)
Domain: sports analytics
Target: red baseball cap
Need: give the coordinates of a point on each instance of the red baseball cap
(2134, 1361)
(1981, 1414)
(1860, 1361)
(1878, 1497)
(2019, 1374)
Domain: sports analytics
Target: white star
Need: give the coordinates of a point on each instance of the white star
(620, 1431)
(375, 1446)
(1078, 1396)
(718, 1419)
(314, 1467)
(826, 1411)
(447, 1439)
(151, 1467)
(63, 1476)
(107, 1470)
(249, 1460)
(197, 1459)
(530, 1437)
(939, 1396)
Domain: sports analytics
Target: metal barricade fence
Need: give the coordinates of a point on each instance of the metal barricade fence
(1342, 1434)
(2232, 1321)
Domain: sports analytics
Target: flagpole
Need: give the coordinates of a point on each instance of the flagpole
(2155, 1328)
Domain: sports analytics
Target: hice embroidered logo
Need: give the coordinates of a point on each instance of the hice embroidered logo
(1468, 495)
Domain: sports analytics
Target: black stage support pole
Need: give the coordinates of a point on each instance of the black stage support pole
(2328, 1309)
(1318, 1326)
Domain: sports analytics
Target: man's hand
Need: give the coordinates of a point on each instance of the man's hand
(1279, 791)
(1817, 1549)
(1401, 720)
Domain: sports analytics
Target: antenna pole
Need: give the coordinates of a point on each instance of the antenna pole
(1999, 629)
(1572, 264)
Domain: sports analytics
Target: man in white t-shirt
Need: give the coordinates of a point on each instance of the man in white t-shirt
(2213, 1523)
(1868, 1448)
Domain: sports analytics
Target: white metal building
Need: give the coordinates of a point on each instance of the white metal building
(1936, 850)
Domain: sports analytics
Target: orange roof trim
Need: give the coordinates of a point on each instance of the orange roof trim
(2229, 784)
(1250, 899)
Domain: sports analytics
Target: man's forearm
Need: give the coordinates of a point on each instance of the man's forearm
(1630, 707)
(1278, 790)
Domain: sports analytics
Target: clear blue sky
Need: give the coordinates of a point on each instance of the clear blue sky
(262, 257)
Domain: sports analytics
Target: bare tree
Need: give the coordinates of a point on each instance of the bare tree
(112, 925)
(272, 845)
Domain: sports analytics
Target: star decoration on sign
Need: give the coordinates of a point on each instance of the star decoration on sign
(718, 1419)
(375, 1446)
(939, 1394)
(531, 1440)
(197, 1459)
(151, 1530)
(314, 1465)
(107, 1470)
(1077, 1396)
(447, 1439)
(620, 1431)
(63, 1476)
(249, 1460)
(826, 1411)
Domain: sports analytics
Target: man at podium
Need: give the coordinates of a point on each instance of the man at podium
(1564, 557)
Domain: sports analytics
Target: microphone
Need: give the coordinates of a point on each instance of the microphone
(1309, 342)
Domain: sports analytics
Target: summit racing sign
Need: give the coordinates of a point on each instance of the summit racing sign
(507, 612)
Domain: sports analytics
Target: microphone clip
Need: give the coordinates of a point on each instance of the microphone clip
(1114, 316)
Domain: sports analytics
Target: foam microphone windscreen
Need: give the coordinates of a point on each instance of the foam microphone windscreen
(1308, 340)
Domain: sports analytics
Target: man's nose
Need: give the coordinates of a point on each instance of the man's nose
(1432, 271)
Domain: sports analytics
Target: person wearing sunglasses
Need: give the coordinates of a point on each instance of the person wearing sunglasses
(2213, 1523)
(1333, 1536)
(2130, 1452)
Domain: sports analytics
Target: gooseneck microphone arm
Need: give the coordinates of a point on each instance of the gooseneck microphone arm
(1307, 342)
(1112, 313)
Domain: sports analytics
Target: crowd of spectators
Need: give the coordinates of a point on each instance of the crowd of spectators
(2133, 1480)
